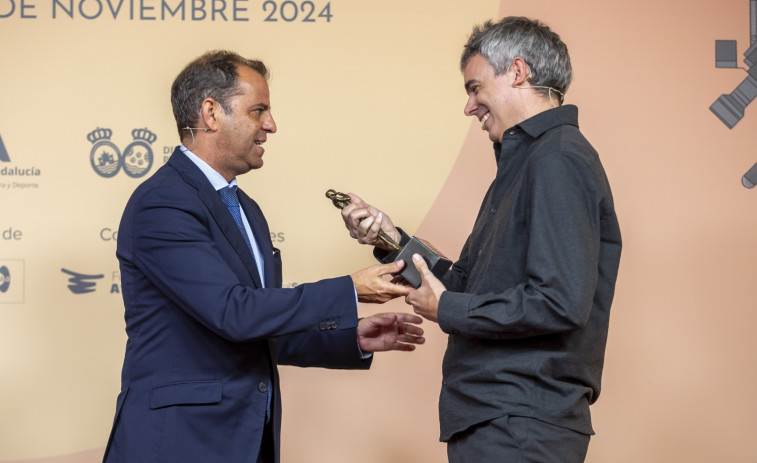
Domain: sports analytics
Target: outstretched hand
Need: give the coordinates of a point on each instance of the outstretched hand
(425, 299)
(389, 331)
(375, 284)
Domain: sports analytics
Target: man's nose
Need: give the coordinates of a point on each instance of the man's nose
(270, 125)
(470, 107)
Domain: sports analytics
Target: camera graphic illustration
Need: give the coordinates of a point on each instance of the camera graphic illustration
(729, 108)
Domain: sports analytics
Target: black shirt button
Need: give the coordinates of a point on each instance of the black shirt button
(263, 387)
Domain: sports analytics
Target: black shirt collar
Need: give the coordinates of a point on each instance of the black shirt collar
(537, 125)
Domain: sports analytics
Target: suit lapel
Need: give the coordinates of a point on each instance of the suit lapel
(259, 227)
(212, 200)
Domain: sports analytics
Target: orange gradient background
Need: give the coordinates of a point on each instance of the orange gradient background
(372, 103)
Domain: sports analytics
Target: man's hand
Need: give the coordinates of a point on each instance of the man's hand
(425, 299)
(364, 222)
(389, 331)
(374, 283)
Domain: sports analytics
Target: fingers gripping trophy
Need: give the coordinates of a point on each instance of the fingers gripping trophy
(437, 263)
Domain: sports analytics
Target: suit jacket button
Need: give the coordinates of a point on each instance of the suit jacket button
(263, 387)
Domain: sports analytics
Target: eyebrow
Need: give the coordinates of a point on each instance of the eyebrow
(469, 84)
(262, 106)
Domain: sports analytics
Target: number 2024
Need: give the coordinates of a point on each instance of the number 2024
(289, 11)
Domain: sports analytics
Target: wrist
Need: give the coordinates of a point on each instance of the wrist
(395, 235)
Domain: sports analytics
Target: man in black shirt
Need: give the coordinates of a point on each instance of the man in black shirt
(526, 306)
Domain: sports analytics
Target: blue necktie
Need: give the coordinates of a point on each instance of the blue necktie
(230, 199)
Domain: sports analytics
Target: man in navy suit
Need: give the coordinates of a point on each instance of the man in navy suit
(206, 317)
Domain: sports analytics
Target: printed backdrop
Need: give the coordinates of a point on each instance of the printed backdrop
(368, 98)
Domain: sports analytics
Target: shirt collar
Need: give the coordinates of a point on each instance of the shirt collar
(549, 119)
(213, 177)
(537, 125)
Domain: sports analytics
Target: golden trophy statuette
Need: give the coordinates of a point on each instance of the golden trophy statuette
(342, 200)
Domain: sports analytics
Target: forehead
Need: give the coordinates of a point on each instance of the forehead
(477, 70)
(252, 85)
(478, 66)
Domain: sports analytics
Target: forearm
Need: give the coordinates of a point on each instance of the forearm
(328, 348)
(517, 313)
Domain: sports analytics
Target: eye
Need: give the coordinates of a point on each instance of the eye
(259, 110)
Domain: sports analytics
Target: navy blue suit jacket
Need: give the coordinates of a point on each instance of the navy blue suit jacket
(204, 336)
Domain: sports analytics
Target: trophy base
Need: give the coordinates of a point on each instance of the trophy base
(437, 264)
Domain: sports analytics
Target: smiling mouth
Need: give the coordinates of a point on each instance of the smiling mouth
(483, 121)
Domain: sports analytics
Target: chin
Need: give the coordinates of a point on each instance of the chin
(255, 162)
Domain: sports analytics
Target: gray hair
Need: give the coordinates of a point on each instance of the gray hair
(212, 75)
(542, 50)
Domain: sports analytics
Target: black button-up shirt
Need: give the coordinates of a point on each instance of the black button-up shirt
(528, 302)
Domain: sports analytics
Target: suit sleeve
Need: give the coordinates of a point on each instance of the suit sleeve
(316, 348)
(178, 248)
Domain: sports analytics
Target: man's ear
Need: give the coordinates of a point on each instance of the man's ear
(521, 71)
(211, 112)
